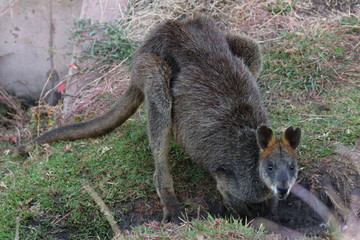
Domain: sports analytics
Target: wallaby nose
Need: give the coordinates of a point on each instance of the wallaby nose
(282, 191)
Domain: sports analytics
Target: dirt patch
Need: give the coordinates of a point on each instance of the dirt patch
(332, 179)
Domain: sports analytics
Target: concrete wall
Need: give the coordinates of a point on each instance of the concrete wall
(34, 44)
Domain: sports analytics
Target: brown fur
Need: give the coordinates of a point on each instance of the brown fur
(199, 85)
(277, 143)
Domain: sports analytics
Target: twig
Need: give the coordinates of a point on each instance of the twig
(40, 100)
(63, 217)
(104, 209)
(17, 232)
(11, 4)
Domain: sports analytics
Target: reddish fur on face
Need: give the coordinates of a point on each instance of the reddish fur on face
(286, 144)
(276, 143)
(273, 143)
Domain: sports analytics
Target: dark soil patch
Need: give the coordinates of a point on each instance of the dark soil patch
(61, 233)
(336, 172)
(292, 213)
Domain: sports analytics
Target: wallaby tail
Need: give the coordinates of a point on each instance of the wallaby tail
(124, 108)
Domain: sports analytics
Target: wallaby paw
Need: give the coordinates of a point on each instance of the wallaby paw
(172, 214)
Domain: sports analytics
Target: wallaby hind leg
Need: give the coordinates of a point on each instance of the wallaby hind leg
(247, 49)
(158, 102)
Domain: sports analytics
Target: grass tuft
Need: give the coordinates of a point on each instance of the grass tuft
(280, 7)
(352, 22)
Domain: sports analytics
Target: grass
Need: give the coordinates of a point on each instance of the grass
(45, 191)
(352, 22)
(298, 64)
(210, 228)
(333, 119)
(53, 184)
(280, 7)
(302, 87)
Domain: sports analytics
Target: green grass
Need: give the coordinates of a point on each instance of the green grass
(352, 22)
(334, 119)
(302, 88)
(299, 64)
(209, 228)
(280, 7)
(43, 189)
(118, 168)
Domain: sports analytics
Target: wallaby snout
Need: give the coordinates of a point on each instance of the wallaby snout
(282, 190)
(284, 180)
(280, 181)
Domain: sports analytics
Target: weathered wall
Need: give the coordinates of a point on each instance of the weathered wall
(33, 44)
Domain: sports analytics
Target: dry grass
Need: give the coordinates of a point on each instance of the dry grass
(96, 97)
(260, 19)
(15, 114)
(254, 18)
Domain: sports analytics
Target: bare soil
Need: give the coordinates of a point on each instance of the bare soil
(338, 173)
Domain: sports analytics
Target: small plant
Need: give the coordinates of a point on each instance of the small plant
(353, 22)
(106, 42)
(280, 7)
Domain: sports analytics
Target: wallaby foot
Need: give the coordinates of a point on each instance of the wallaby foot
(172, 210)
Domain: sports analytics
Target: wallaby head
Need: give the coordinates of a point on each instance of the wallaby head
(278, 167)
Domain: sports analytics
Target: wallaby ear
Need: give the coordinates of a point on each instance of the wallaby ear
(291, 137)
(265, 136)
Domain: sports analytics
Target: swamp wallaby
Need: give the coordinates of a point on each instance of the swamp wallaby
(199, 85)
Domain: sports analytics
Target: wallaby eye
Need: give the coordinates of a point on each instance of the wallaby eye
(270, 166)
(223, 171)
(292, 166)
